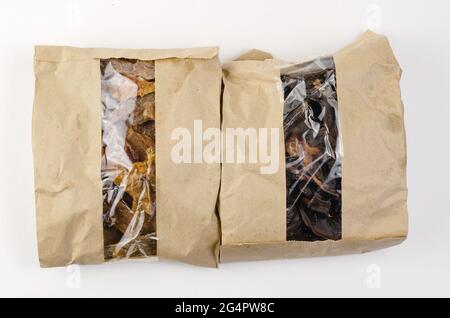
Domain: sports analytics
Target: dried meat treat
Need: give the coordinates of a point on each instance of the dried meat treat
(129, 208)
(313, 158)
(145, 109)
(123, 66)
(141, 246)
(111, 235)
(147, 129)
(132, 222)
(137, 145)
(144, 87)
(145, 70)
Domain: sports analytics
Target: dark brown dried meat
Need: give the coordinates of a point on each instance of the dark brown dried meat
(313, 159)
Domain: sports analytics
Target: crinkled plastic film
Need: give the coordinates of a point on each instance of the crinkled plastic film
(128, 158)
(313, 151)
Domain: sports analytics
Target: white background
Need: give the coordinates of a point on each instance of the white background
(419, 32)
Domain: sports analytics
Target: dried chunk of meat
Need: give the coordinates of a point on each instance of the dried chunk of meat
(313, 159)
(145, 109)
(129, 185)
(137, 145)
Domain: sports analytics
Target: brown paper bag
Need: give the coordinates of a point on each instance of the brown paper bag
(67, 146)
(340, 186)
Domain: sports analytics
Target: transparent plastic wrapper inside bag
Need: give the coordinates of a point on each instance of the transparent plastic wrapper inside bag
(313, 151)
(128, 158)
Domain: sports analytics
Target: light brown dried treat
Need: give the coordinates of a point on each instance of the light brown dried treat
(142, 246)
(133, 220)
(145, 87)
(317, 83)
(136, 182)
(144, 69)
(137, 145)
(122, 66)
(312, 151)
(128, 221)
(123, 216)
(146, 129)
(144, 110)
(151, 172)
(137, 168)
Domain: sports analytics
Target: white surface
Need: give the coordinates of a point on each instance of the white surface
(419, 32)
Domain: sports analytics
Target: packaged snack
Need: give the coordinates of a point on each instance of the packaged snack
(106, 185)
(337, 182)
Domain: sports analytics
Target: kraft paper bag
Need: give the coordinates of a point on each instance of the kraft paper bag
(341, 183)
(68, 153)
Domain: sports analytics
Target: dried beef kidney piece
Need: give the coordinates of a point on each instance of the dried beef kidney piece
(144, 110)
(137, 145)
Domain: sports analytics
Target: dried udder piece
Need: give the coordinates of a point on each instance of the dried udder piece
(128, 221)
(137, 145)
(138, 168)
(151, 161)
(141, 246)
(144, 69)
(145, 87)
(144, 110)
(137, 184)
(146, 129)
(135, 68)
(129, 204)
(122, 216)
(122, 66)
